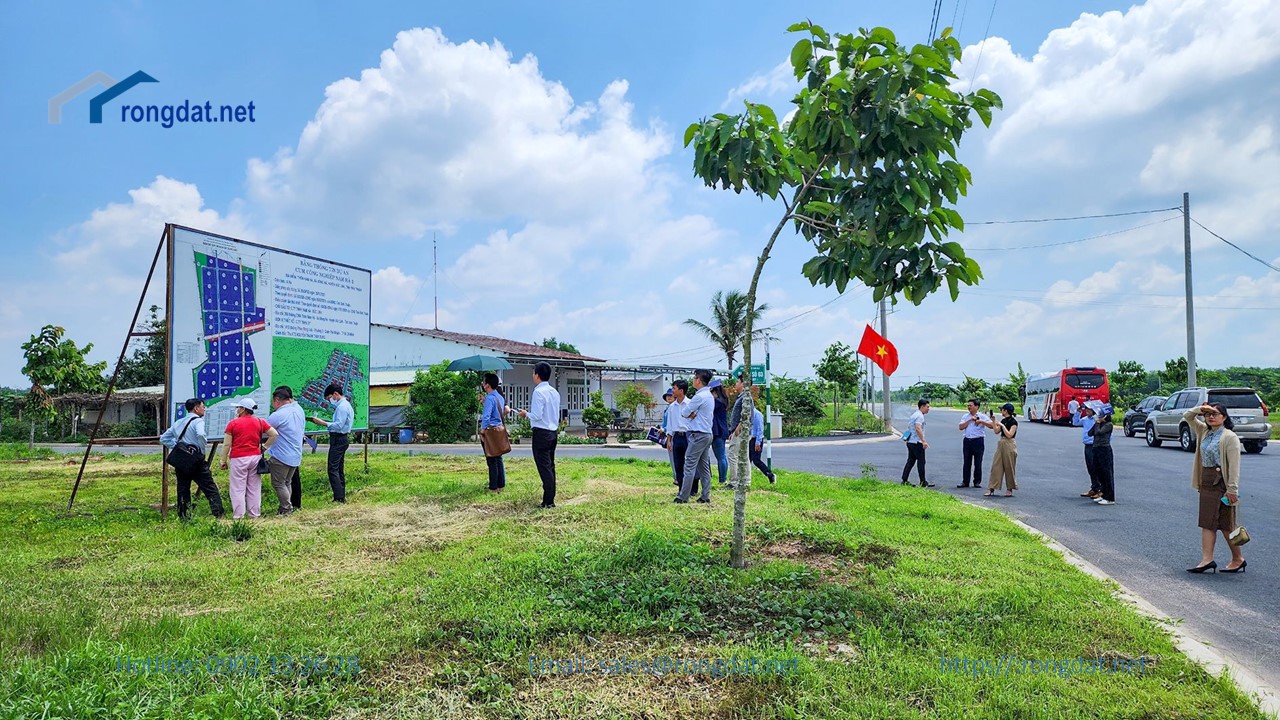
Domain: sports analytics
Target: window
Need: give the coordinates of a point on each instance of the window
(1083, 381)
(1247, 400)
(576, 393)
(1185, 400)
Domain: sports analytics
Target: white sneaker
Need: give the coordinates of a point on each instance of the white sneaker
(1106, 502)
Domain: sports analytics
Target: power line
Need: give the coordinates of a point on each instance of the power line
(1073, 242)
(1075, 217)
(1265, 264)
(1124, 304)
(953, 18)
(933, 23)
(982, 46)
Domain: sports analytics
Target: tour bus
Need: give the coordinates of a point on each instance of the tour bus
(1049, 395)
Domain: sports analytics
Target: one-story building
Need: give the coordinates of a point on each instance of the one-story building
(397, 352)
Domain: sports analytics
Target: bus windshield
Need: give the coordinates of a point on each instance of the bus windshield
(1085, 381)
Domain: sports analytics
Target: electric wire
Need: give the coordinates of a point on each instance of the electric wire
(1250, 255)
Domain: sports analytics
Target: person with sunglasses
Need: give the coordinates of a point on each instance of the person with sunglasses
(1215, 474)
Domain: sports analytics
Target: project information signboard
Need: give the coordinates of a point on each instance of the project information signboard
(245, 319)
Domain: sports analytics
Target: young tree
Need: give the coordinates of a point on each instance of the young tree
(630, 398)
(55, 366)
(865, 169)
(145, 367)
(1128, 383)
(730, 320)
(1019, 381)
(976, 388)
(838, 367)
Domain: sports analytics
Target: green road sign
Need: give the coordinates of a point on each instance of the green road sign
(757, 373)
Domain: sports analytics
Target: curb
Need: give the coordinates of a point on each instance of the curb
(1264, 696)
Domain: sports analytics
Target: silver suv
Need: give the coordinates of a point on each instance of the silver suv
(1247, 411)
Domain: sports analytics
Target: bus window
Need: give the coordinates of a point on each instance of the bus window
(1082, 381)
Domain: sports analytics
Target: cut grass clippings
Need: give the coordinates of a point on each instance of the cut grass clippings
(426, 596)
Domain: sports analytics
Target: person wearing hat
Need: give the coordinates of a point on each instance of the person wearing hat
(1004, 464)
(1103, 460)
(1215, 475)
(669, 429)
(1082, 416)
(720, 428)
(241, 450)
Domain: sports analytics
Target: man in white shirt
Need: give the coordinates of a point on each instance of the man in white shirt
(668, 427)
(974, 426)
(679, 428)
(544, 417)
(697, 459)
(916, 444)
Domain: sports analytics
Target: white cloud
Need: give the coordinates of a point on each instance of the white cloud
(767, 87)
(441, 133)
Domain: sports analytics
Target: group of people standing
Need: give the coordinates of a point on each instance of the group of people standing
(1215, 471)
(701, 426)
(544, 419)
(1003, 465)
(253, 447)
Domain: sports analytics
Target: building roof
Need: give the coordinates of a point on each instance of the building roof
(512, 348)
(389, 378)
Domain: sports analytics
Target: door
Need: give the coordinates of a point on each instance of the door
(1167, 422)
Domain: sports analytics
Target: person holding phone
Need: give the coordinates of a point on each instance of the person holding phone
(1004, 465)
(974, 427)
(1215, 474)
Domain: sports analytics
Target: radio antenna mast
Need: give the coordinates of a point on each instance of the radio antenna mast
(435, 283)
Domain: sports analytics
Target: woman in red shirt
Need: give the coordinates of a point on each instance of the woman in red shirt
(242, 441)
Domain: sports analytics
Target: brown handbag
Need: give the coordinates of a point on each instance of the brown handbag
(495, 440)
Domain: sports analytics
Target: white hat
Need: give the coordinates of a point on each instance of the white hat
(247, 403)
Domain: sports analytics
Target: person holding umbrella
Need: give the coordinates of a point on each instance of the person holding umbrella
(495, 407)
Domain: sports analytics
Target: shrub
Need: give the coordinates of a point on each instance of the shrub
(597, 414)
(444, 403)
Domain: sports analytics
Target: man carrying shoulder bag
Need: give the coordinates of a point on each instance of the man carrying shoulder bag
(187, 450)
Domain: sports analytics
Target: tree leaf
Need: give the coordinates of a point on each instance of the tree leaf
(800, 56)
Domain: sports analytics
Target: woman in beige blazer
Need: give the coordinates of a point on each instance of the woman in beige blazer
(1215, 474)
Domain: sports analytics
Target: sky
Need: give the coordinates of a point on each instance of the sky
(539, 145)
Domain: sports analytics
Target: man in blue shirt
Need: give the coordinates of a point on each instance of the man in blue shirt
(339, 430)
(286, 455)
(1083, 417)
(697, 459)
(757, 445)
(190, 429)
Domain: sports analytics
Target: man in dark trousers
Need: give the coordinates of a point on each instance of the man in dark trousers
(190, 429)
(339, 430)
(974, 426)
(544, 417)
(680, 432)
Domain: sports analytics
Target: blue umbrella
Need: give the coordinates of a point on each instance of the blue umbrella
(482, 363)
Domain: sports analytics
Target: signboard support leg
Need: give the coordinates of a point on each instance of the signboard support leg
(366, 452)
(115, 375)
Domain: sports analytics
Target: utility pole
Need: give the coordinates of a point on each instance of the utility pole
(1191, 318)
(884, 332)
(435, 282)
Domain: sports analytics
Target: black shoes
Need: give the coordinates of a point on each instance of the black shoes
(680, 502)
(545, 506)
(1211, 565)
(925, 484)
(773, 479)
(905, 482)
(704, 501)
(964, 486)
(1243, 565)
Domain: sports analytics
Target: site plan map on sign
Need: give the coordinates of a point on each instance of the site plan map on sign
(246, 318)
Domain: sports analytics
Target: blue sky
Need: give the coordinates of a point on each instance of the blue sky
(541, 144)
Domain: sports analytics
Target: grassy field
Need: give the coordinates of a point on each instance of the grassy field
(426, 596)
(851, 417)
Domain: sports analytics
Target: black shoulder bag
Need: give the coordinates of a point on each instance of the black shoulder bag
(185, 456)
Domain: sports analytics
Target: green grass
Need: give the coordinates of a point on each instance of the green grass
(436, 594)
(851, 417)
(10, 452)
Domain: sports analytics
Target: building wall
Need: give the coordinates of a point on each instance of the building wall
(397, 349)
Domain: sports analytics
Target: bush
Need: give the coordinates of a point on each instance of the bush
(597, 414)
(444, 403)
(139, 426)
(799, 402)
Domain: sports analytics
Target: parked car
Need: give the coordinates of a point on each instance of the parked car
(1136, 419)
(1246, 409)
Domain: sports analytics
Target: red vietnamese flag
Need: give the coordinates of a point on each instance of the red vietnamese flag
(881, 351)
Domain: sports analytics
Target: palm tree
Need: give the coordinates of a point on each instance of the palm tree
(729, 318)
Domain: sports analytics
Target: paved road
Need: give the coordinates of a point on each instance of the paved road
(1145, 541)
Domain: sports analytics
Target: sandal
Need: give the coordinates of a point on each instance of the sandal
(988, 494)
(1008, 494)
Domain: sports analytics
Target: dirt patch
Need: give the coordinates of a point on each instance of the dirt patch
(409, 524)
(821, 515)
(875, 555)
(802, 551)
